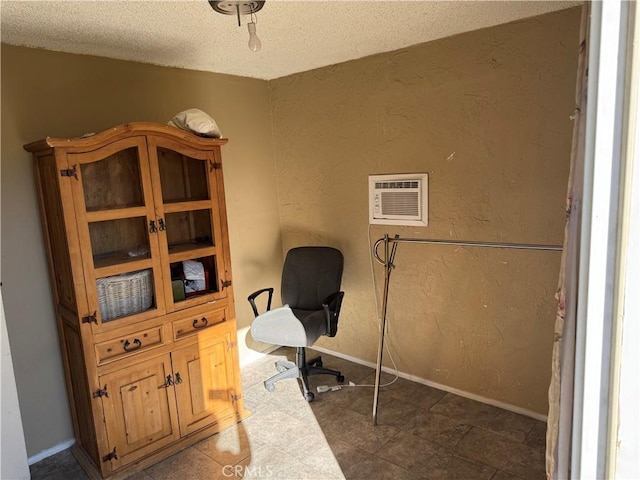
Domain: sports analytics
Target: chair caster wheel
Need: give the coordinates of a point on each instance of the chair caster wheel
(281, 368)
(309, 396)
(340, 378)
(270, 387)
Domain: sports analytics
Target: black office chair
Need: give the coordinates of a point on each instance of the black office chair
(312, 298)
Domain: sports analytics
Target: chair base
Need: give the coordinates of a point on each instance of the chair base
(301, 370)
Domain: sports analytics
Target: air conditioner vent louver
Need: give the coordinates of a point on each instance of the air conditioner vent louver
(398, 199)
(385, 185)
(401, 203)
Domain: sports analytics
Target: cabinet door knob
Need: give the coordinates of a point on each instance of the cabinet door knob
(152, 226)
(161, 226)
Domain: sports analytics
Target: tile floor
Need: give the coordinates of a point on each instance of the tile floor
(422, 433)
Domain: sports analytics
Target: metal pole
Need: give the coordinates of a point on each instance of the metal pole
(383, 322)
(463, 243)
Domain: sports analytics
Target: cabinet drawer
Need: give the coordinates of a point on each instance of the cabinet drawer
(195, 324)
(128, 345)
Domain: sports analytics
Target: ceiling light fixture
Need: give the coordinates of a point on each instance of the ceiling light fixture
(238, 8)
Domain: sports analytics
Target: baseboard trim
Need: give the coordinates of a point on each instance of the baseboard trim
(429, 383)
(51, 451)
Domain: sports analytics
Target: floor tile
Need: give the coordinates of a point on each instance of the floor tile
(273, 426)
(296, 407)
(270, 462)
(390, 411)
(537, 437)
(503, 454)
(327, 406)
(357, 430)
(358, 464)
(500, 475)
(190, 464)
(436, 428)
(322, 458)
(485, 416)
(230, 446)
(431, 461)
(285, 391)
(140, 476)
(61, 466)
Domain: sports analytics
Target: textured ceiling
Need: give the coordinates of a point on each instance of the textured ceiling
(296, 35)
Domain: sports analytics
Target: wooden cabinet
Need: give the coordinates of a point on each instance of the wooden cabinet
(136, 233)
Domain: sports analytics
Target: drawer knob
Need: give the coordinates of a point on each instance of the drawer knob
(203, 320)
(136, 345)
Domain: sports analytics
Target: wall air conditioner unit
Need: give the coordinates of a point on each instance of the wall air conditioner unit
(398, 199)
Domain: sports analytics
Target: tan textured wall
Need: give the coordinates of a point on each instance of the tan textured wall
(486, 114)
(46, 93)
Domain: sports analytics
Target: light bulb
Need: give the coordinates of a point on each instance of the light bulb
(254, 41)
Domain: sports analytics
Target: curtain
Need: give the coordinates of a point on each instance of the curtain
(559, 421)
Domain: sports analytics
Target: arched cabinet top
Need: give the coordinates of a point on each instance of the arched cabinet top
(90, 141)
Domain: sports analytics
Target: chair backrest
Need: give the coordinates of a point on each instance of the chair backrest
(310, 275)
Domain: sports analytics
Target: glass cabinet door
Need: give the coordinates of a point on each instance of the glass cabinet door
(187, 202)
(118, 232)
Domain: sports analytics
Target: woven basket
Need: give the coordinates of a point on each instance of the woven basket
(125, 294)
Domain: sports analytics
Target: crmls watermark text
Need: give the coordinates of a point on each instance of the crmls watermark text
(241, 471)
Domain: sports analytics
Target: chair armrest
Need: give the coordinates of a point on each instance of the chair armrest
(254, 295)
(331, 306)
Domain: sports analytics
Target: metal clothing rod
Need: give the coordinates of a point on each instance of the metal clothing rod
(387, 261)
(465, 243)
